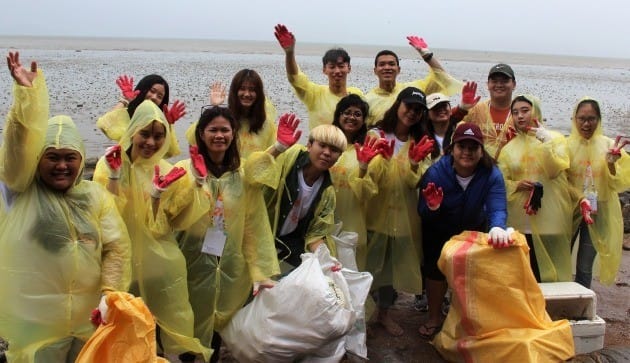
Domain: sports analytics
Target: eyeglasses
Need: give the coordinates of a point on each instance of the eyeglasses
(355, 114)
(589, 119)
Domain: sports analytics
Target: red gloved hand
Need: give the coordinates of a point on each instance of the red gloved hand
(160, 183)
(177, 111)
(125, 84)
(468, 96)
(284, 36)
(433, 196)
(585, 207)
(386, 148)
(288, 134)
(95, 317)
(368, 151)
(419, 151)
(614, 153)
(113, 157)
(510, 133)
(198, 165)
(419, 44)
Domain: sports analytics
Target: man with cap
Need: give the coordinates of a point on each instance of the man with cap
(387, 68)
(463, 191)
(493, 115)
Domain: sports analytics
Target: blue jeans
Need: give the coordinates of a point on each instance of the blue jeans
(585, 257)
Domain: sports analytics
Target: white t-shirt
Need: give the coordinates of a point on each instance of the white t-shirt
(305, 197)
(464, 181)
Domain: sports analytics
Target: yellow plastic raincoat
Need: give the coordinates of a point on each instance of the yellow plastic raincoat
(493, 140)
(381, 100)
(497, 310)
(115, 123)
(607, 231)
(219, 287)
(249, 142)
(60, 250)
(394, 248)
(159, 267)
(319, 101)
(526, 158)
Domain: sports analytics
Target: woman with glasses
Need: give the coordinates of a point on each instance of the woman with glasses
(254, 113)
(534, 165)
(599, 170)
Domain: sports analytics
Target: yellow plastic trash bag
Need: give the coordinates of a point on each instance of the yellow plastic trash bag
(128, 336)
(497, 310)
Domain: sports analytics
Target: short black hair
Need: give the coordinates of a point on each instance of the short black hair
(332, 55)
(386, 52)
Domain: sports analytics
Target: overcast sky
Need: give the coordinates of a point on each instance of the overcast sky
(591, 28)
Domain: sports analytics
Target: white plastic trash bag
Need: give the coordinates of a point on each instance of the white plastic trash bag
(346, 243)
(359, 284)
(307, 313)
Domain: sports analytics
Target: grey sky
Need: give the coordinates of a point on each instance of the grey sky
(589, 28)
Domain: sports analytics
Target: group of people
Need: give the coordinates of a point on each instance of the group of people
(398, 166)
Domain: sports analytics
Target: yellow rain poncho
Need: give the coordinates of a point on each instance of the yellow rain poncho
(350, 194)
(319, 101)
(493, 139)
(60, 250)
(249, 142)
(219, 287)
(526, 158)
(115, 123)
(607, 231)
(159, 267)
(381, 100)
(393, 224)
(497, 310)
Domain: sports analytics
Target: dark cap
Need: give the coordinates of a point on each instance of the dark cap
(467, 131)
(412, 95)
(502, 69)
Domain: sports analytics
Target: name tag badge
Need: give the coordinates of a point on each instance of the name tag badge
(214, 242)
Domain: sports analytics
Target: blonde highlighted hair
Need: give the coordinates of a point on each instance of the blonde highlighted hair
(329, 134)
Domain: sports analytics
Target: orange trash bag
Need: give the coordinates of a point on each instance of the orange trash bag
(128, 336)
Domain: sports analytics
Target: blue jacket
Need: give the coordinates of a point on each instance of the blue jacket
(481, 206)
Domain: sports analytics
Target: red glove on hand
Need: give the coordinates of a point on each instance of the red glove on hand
(419, 44)
(177, 111)
(614, 153)
(288, 134)
(468, 96)
(419, 151)
(284, 36)
(160, 183)
(125, 84)
(198, 165)
(510, 133)
(585, 207)
(95, 317)
(113, 157)
(368, 151)
(433, 196)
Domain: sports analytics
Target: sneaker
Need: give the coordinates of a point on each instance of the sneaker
(420, 303)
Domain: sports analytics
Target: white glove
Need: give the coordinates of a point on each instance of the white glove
(499, 237)
(542, 134)
(103, 308)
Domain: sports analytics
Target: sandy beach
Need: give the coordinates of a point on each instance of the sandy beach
(81, 75)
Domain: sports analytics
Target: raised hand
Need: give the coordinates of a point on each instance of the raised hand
(367, 151)
(510, 133)
(21, 75)
(419, 151)
(433, 196)
(217, 94)
(177, 111)
(113, 158)
(125, 84)
(199, 169)
(284, 36)
(161, 183)
(614, 153)
(419, 44)
(288, 134)
(469, 98)
(386, 148)
(585, 208)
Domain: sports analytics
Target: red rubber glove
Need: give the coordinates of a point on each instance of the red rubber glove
(368, 151)
(199, 169)
(95, 317)
(469, 98)
(386, 148)
(288, 134)
(419, 44)
(510, 133)
(113, 157)
(161, 183)
(177, 111)
(284, 36)
(614, 153)
(585, 208)
(417, 152)
(433, 196)
(125, 84)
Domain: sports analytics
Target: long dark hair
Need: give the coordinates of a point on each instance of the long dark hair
(390, 119)
(232, 159)
(344, 104)
(144, 86)
(429, 130)
(255, 114)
